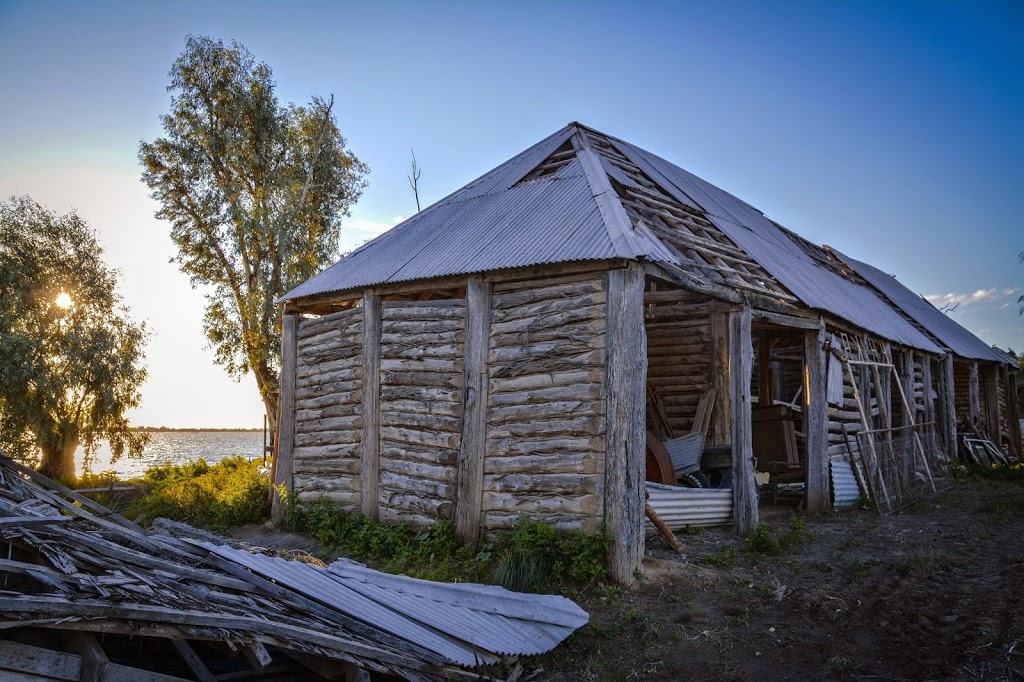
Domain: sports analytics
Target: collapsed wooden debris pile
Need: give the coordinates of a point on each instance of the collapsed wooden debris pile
(80, 580)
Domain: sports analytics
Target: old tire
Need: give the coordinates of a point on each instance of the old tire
(716, 457)
(694, 480)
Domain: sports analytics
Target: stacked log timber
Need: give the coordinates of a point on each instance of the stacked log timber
(421, 376)
(328, 408)
(962, 392)
(679, 363)
(545, 403)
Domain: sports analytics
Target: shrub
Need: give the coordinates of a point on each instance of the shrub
(229, 493)
(532, 556)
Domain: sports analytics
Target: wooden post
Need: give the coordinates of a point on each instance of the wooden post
(974, 394)
(764, 361)
(286, 407)
(947, 406)
(990, 379)
(926, 380)
(369, 456)
(741, 361)
(1013, 412)
(626, 349)
(721, 420)
(470, 471)
(816, 420)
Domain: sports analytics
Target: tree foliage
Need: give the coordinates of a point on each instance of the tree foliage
(255, 192)
(67, 374)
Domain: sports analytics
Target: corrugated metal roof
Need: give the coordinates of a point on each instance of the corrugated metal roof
(822, 289)
(763, 241)
(941, 326)
(498, 222)
(549, 220)
(468, 624)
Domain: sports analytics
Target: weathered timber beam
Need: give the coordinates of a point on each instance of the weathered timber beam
(974, 394)
(990, 381)
(369, 459)
(286, 414)
(783, 320)
(741, 361)
(947, 406)
(815, 409)
(626, 349)
(470, 469)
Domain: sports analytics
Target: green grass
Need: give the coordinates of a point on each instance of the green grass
(767, 543)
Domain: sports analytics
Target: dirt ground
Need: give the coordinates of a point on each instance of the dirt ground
(935, 592)
(932, 593)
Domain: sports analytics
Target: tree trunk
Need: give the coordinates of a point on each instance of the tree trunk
(59, 460)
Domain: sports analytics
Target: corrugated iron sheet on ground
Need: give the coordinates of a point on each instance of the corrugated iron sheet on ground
(467, 624)
(941, 326)
(680, 507)
(845, 490)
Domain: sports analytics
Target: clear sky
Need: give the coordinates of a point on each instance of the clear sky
(893, 131)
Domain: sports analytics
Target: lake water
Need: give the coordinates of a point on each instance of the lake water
(179, 447)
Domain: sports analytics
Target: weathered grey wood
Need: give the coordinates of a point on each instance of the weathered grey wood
(194, 663)
(470, 469)
(947, 406)
(764, 382)
(990, 385)
(721, 415)
(27, 662)
(369, 478)
(741, 362)
(974, 394)
(815, 405)
(625, 456)
(782, 320)
(286, 419)
(94, 659)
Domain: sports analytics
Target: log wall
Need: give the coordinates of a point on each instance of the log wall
(678, 365)
(328, 383)
(544, 452)
(421, 376)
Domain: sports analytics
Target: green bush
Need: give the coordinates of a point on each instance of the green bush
(533, 556)
(229, 493)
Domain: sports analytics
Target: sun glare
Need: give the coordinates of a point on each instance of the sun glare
(63, 300)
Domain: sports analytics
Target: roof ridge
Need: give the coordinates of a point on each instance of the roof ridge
(620, 229)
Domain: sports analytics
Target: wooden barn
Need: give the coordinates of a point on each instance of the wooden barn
(587, 316)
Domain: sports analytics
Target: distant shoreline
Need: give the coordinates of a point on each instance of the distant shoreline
(173, 429)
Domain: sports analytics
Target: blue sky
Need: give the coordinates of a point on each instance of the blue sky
(893, 131)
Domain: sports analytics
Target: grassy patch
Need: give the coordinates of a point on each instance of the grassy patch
(531, 557)
(229, 493)
(724, 557)
(765, 542)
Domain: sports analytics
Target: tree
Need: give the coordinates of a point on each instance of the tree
(414, 180)
(70, 354)
(255, 193)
